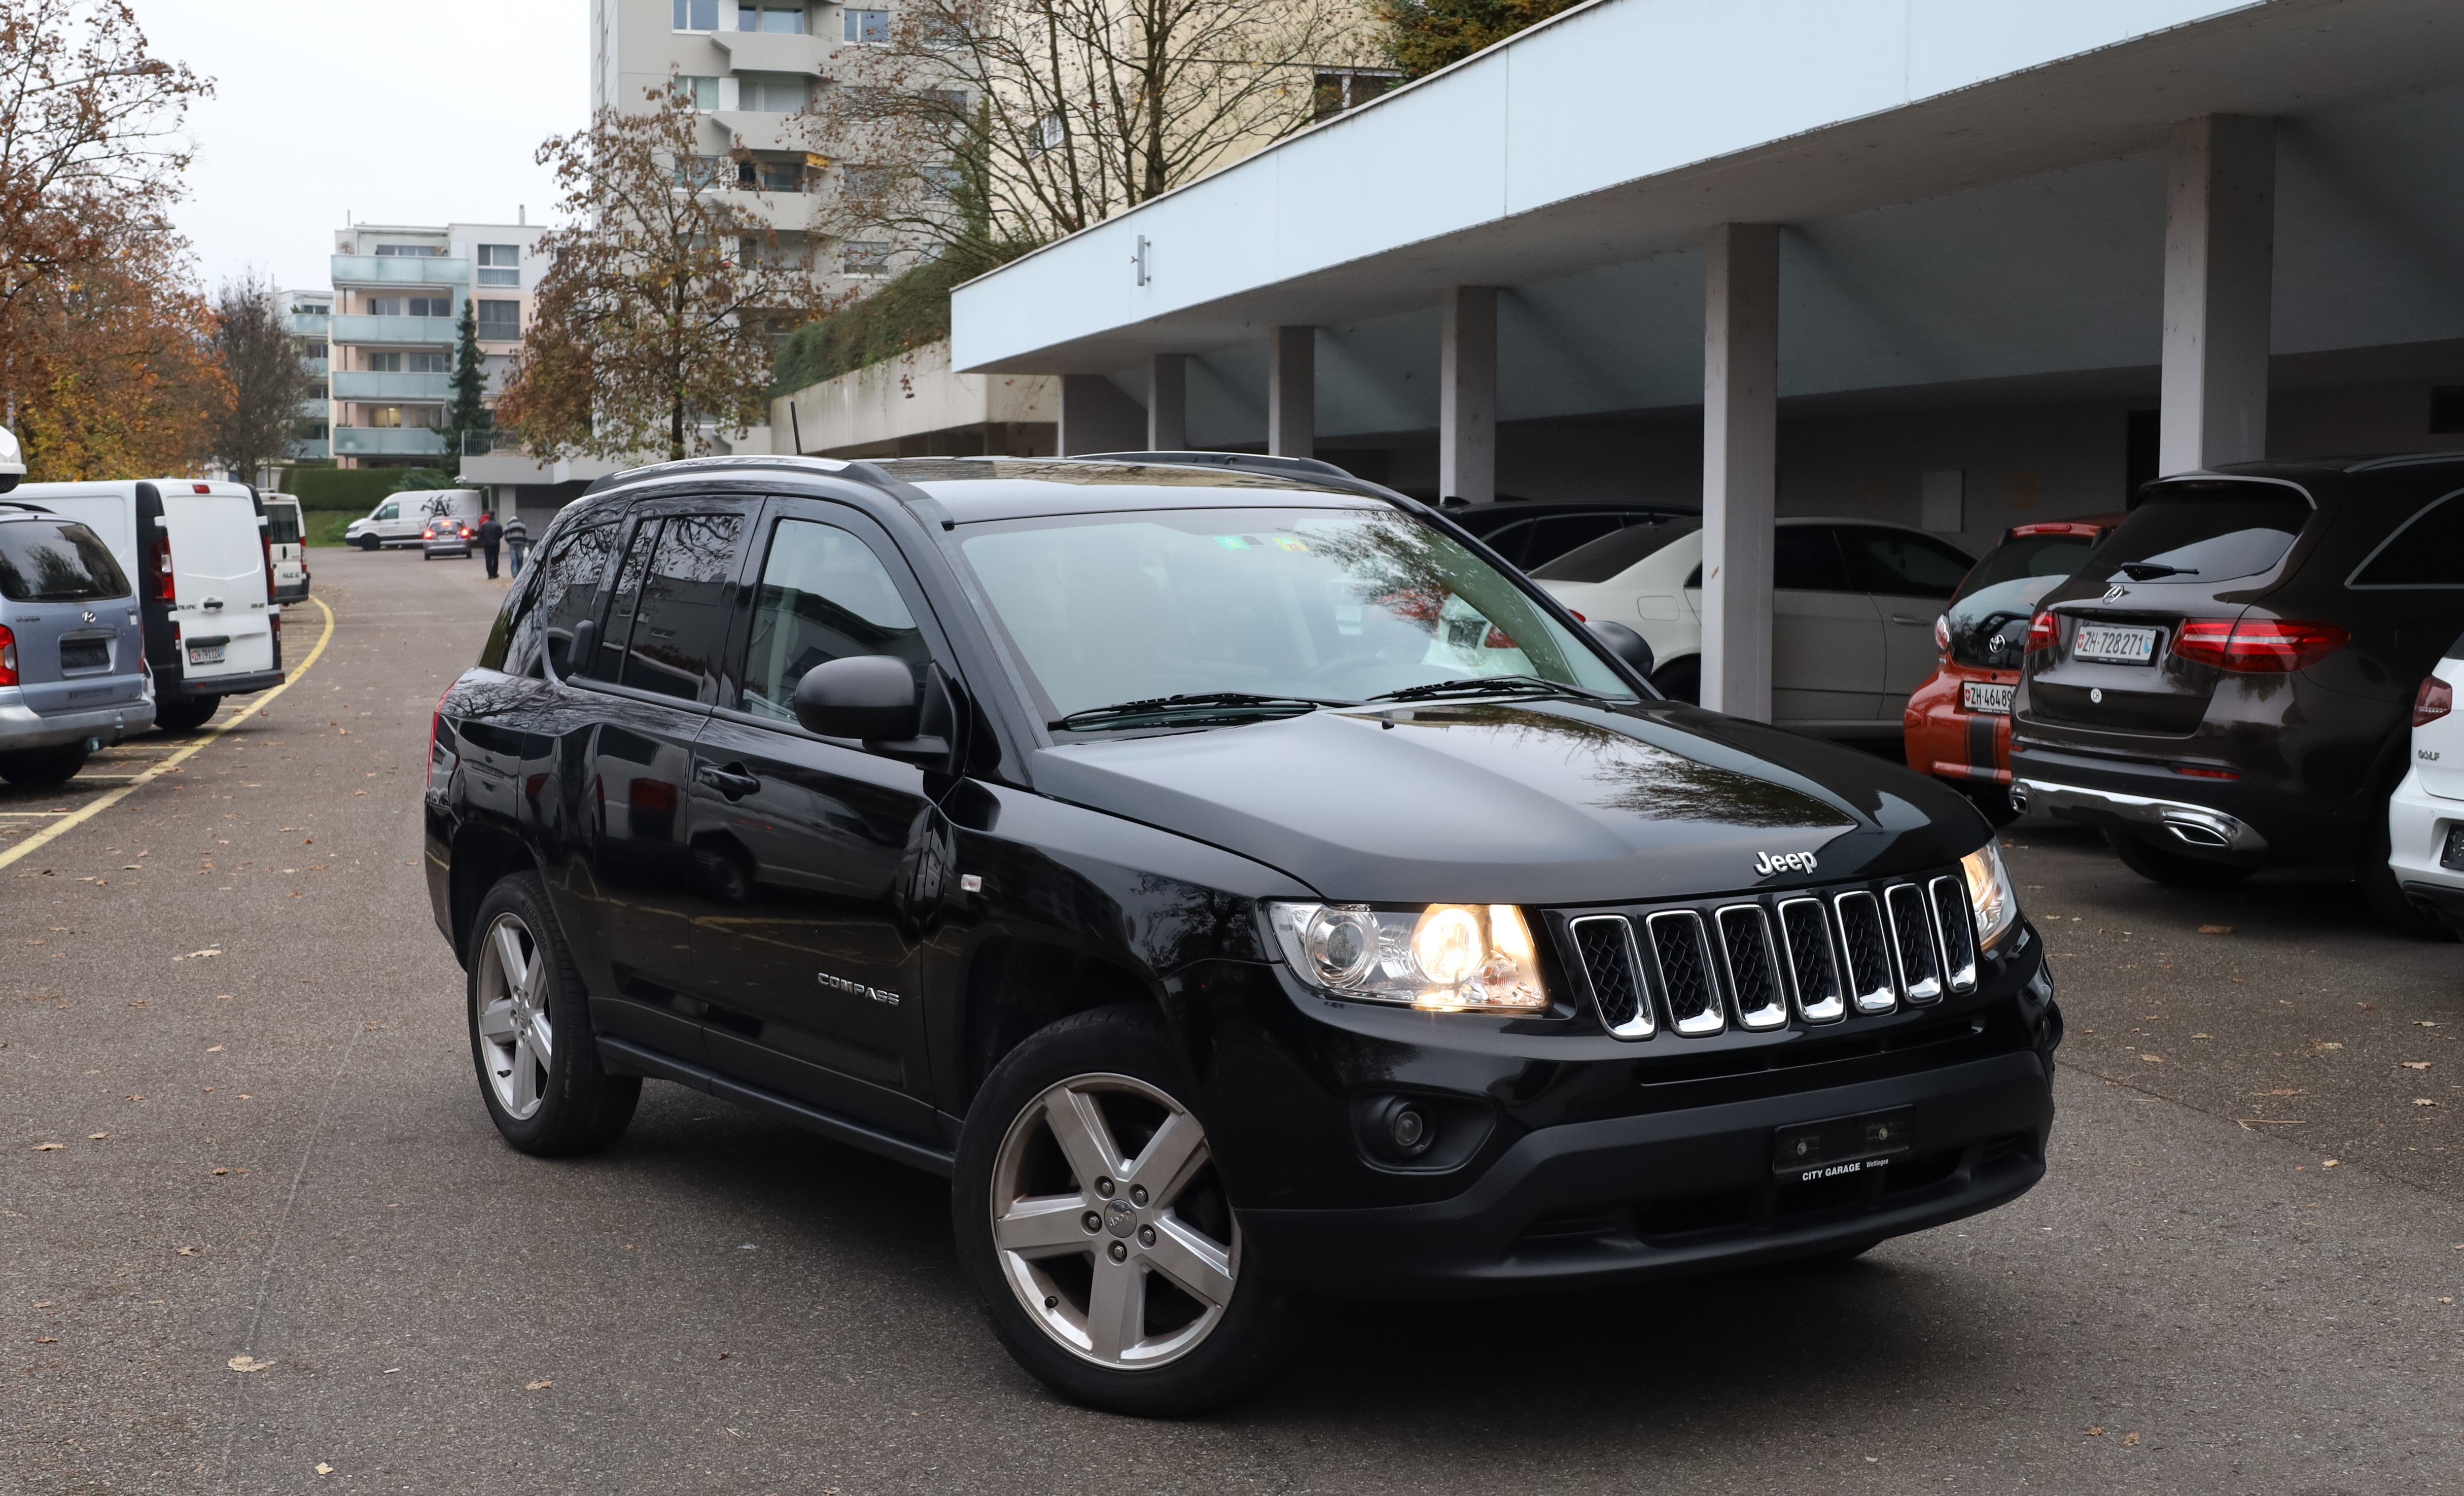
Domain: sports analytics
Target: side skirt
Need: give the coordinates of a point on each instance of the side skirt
(621, 1057)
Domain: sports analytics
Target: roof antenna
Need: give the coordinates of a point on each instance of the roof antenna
(795, 428)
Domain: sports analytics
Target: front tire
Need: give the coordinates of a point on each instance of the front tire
(1152, 1311)
(2171, 869)
(531, 1038)
(39, 768)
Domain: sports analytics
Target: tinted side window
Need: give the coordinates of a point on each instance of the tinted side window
(823, 596)
(2425, 551)
(1597, 560)
(1902, 563)
(564, 593)
(681, 625)
(1805, 557)
(55, 560)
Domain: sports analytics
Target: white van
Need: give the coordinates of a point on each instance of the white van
(289, 546)
(400, 519)
(202, 560)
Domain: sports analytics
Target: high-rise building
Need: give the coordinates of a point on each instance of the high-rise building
(397, 299)
(308, 315)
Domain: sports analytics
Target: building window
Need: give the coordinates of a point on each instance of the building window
(500, 321)
(868, 27)
(384, 363)
(1049, 133)
(431, 306)
(701, 173)
(386, 416)
(313, 352)
(783, 176)
(422, 250)
(695, 15)
(1349, 88)
(770, 93)
(500, 264)
(429, 363)
(864, 257)
(785, 20)
(699, 93)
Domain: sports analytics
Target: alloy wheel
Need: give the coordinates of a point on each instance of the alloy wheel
(517, 1045)
(1111, 1222)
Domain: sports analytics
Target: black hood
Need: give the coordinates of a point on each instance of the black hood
(1526, 802)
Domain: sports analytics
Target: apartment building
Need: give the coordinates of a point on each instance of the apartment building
(308, 315)
(397, 299)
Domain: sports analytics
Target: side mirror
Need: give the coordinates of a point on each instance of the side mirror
(870, 698)
(1625, 643)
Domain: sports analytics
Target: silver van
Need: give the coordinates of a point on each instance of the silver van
(73, 672)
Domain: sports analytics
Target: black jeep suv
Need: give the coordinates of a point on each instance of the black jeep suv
(2228, 683)
(1237, 881)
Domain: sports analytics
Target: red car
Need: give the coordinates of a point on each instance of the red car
(1959, 721)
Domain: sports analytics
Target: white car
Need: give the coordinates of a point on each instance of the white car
(287, 545)
(1854, 605)
(2425, 814)
(403, 519)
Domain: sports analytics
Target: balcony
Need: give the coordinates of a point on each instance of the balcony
(308, 449)
(772, 52)
(434, 332)
(400, 270)
(307, 323)
(387, 441)
(366, 385)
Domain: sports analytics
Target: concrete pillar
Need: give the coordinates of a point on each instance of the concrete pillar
(1467, 394)
(1168, 403)
(1292, 392)
(1095, 416)
(1740, 438)
(2219, 276)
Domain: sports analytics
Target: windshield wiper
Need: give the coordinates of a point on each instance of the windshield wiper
(1490, 686)
(1193, 708)
(2149, 571)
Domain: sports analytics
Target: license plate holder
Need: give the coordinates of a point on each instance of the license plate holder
(2114, 643)
(1808, 1151)
(206, 653)
(1983, 695)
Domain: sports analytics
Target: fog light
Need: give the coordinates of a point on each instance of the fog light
(1410, 1131)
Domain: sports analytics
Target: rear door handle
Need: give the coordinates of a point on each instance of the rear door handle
(731, 781)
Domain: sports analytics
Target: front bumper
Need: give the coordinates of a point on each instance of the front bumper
(22, 727)
(1630, 1198)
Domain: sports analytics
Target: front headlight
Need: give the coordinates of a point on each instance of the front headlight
(1990, 893)
(1444, 959)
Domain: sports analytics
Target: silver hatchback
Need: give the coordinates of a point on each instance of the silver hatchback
(71, 649)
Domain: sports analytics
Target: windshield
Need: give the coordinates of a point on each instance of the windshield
(1600, 560)
(2203, 533)
(54, 561)
(1330, 603)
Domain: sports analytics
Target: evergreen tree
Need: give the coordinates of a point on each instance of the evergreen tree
(1424, 36)
(469, 412)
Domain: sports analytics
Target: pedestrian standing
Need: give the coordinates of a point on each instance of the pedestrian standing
(517, 540)
(489, 533)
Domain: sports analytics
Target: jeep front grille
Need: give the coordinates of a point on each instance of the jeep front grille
(1806, 934)
(1912, 945)
(1869, 952)
(1614, 967)
(1950, 914)
(1685, 978)
(1752, 966)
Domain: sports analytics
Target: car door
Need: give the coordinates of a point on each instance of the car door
(1911, 577)
(829, 857)
(651, 674)
(218, 582)
(1828, 649)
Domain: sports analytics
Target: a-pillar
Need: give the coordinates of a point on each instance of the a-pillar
(2219, 278)
(1740, 439)
(1168, 403)
(1292, 392)
(1467, 394)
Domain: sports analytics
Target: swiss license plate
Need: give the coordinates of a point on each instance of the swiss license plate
(1842, 1145)
(2113, 644)
(1981, 695)
(2452, 857)
(205, 654)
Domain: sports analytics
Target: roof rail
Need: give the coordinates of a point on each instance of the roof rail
(1247, 462)
(829, 465)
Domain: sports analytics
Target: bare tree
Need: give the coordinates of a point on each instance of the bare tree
(657, 308)
(264, 379)
(991, 125)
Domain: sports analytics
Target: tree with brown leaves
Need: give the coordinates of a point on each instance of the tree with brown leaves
(264, 379)
(655, 314)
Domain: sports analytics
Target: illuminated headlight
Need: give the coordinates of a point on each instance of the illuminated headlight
(1444, 959)
(1990, 893)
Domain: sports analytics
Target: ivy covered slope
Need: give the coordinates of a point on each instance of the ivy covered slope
(910, 310)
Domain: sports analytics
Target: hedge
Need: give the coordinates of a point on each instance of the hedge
(356, 489)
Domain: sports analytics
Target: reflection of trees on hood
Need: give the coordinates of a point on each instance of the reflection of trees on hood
(1645, 779)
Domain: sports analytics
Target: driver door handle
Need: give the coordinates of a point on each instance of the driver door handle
(732, 781)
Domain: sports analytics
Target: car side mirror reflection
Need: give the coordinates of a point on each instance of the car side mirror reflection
(1623, 643)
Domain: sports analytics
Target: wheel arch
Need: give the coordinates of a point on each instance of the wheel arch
(1017, 985)
(483, 856)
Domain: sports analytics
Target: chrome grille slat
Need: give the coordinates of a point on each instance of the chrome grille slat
(1867, 949)
(1752, 966)
(1682, 955)
(1805, 938)
(1957, 932)
(1613, 966)
(1913, 943)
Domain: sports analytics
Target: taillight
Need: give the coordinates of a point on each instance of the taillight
(7, 657)
(2043, 634)
(265, 544)
(164, 585)
(2256, 646)
(2437, 699)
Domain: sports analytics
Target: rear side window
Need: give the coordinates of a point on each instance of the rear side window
(282, 524)
(2425, 551)
(2028, 556)
(681, 624)
(825, 595)
(1903, 563)
(56, 560)
(566, 593)
(2204, 533)
(1597, 560)
(1805, 557)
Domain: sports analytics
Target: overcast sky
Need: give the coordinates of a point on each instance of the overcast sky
(407, 113)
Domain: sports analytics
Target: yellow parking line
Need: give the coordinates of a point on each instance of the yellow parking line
(106, 801)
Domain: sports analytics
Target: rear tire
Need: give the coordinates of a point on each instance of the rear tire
(185, 713)
(2171, 869)
(37, 768)
(531, 1040)
(1155, 1312)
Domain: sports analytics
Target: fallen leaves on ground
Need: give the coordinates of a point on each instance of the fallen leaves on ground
(2415, 1064)
(246, 1363)
(2130, 1440)
(322, 1469)
(540, 1385)
(46, 1148)
(2215, 930)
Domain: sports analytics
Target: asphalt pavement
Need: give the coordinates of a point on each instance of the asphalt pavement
(257, 1233)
